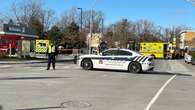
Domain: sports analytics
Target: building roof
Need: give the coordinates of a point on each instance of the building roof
(20, 30)
(19, 34)
(185, 31)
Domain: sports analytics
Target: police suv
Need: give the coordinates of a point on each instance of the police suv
(117, 59)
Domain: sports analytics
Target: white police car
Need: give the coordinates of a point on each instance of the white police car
(117, 59)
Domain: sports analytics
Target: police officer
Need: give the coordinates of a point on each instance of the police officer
(51, 51)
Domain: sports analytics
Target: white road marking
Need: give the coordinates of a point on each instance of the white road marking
(5, 66)
(66, 67)
(158, 93)
(43, 68)
(70, 67)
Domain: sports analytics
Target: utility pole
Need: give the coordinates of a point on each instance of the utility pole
(102, 19)
(81, 18)
(91, 27)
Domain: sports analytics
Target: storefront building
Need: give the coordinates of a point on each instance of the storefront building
(16, 39)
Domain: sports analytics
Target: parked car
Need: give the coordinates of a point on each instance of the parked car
(117, 59)
(190, 56)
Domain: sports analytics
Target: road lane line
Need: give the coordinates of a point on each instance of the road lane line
(158, 93)
(5, 66)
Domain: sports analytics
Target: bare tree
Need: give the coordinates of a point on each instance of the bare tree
(141, 30)
(109, 35)
(5, 17)
(97, 21)
(166, 34)
(25, 10)
(48, 19)
(148, 31)
(97, 17)
(72, 16)
(158, 33)
(67, 18)
(86, 20)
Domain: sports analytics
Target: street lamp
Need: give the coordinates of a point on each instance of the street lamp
(81, 17)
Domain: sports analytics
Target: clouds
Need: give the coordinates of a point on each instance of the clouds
(180, 11)
(190, 1)
(184, 10)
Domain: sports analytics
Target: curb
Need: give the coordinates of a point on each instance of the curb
(33, 62)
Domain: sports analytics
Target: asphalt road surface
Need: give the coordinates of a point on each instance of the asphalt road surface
(171, 86)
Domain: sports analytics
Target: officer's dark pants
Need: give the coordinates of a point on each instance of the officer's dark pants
(51, 59)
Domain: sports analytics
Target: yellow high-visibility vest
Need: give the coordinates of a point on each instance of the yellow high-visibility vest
(51, 49)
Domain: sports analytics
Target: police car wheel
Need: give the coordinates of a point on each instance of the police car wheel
(135, 67)
(87, 64)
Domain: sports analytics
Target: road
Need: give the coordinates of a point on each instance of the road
(32, 87)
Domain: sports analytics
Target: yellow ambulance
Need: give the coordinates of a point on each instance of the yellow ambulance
(156, 49)
(41, 46)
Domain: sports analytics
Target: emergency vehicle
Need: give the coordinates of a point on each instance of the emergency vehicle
(41, 46)
(155, 49)
(117, 59)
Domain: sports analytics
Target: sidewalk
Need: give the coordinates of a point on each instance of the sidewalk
(176, 66)
(58, 59)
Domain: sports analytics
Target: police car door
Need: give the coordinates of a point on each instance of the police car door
(107, 60)
(123, 58)
(111, 59)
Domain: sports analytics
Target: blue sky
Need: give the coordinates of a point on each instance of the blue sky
(162, 12)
